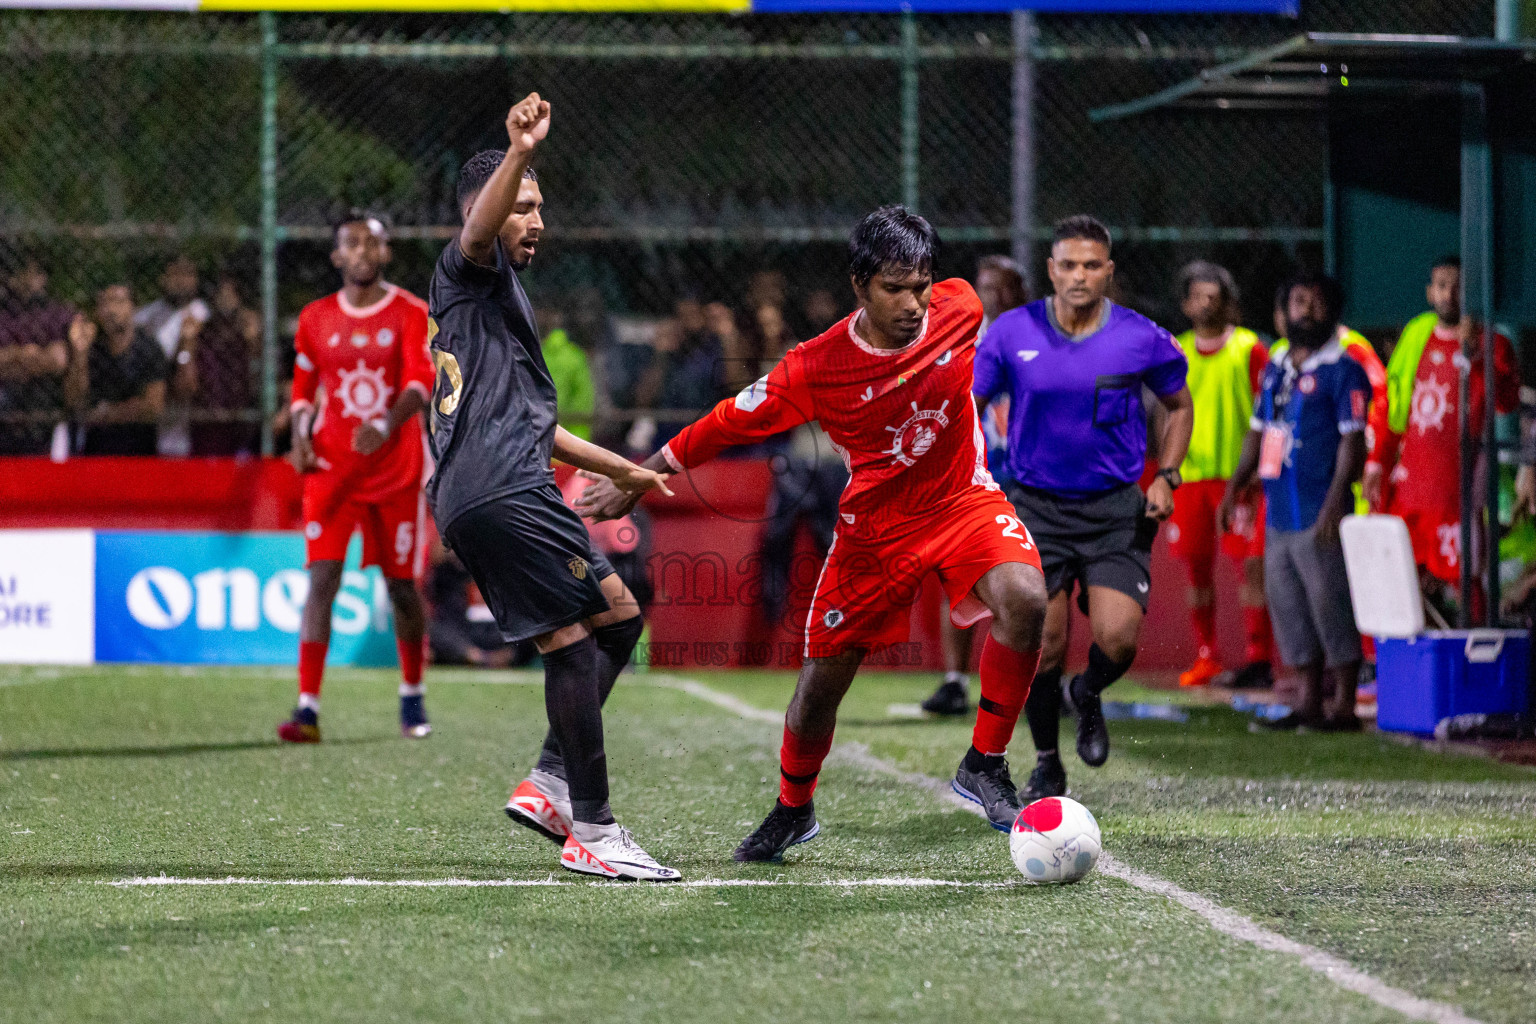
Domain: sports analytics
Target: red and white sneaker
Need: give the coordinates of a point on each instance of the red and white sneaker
(614, 854)
(542, 802)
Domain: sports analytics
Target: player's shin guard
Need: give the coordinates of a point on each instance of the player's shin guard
(311, 672)
(1259, 638)
(1005, 678)
(576, 719)
(1042, 709)
(615, 644)
(800, 761)
(1203, 618)
(411, 657)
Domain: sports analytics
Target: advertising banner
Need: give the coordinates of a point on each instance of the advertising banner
(1286, 7)
(227, 598)
(47, 613)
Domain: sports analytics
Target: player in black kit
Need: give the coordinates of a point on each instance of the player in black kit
(495, 500)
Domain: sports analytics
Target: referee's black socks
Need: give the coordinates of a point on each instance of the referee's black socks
(574, 707)
(1102, 671)
(1042, 709)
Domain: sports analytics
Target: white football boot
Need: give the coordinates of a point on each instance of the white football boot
(613, 853)
(542, 802)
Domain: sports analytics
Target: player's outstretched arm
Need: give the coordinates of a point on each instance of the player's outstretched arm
(626, 477)
(527, 124)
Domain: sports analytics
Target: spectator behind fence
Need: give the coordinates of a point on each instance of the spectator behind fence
(689, 374)
(117, 378)
(1307, 443)
(170, 319)
(462, 630)
(34, 355)
(820, 312)
(215, 373)
(572, 374)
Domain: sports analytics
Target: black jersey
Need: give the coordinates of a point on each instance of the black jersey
(493, 405)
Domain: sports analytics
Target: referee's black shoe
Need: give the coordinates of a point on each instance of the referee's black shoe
(1092, 733)
(949, 700)
(784, 827)
(1048, 779)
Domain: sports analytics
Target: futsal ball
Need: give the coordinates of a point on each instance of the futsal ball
(1054, 840)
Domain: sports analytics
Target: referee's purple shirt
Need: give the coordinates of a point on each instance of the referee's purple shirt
(1076, 425)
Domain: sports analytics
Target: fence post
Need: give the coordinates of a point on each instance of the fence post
(268, 227)
(1022, 230)
(909, 122)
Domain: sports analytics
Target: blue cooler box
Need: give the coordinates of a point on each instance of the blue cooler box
(1438, 674)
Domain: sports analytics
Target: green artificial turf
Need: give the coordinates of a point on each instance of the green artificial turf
(1418, 868)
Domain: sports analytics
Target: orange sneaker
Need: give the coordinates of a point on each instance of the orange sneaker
(1201, 672)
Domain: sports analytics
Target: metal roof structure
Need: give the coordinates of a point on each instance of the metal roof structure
(1310, 71)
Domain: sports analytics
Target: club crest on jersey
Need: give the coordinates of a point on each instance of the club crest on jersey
(362, 392)
(578, 567)
(916, 435)
(1307, 384)
(833, 618)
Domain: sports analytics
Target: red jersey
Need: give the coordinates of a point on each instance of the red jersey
(359, 361)
(1429, 461)
(902, 420)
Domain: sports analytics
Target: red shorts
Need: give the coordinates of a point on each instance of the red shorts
(1436, 536)
(392, 527)
(1194, 535)
(867, 585)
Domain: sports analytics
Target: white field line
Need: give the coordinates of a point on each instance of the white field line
(550, 883)
(1228, 922)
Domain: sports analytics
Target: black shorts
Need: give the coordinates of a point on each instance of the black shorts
(1103, 541)
(533, 560)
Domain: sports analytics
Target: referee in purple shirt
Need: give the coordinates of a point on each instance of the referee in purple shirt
(1074, 366)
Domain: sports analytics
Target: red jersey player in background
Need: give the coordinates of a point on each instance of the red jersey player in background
(361, 376)
(891, 386)
(1421, 456)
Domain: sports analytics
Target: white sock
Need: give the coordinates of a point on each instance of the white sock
(958, 677)
(310, 701)
(412, 690)
(586, 832)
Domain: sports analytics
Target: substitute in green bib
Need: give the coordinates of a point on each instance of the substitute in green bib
(1225, 364)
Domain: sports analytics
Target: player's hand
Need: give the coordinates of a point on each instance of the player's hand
(302, 456)
(82, 334)
(1371, 484)
(1159, 500)
(602, 500)
(1525, 492)
(1226, 513)
(637, 480)
(1328, 520)
(528, 123)
(367, 439)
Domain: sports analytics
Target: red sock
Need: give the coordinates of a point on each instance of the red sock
(1005, 678)
(311, 666)
(1260, 645)
(1204, 619)
(799, 764)
(411, 655)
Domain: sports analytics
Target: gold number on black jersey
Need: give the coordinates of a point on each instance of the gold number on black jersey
(449, 367)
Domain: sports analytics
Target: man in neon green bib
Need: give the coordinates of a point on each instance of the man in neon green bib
(1225, 363)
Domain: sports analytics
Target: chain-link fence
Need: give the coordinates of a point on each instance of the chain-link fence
(695, 160)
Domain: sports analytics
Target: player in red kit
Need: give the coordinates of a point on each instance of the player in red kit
(891, 386)
(361, 375)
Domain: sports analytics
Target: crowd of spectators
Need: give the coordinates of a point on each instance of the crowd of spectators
(178, 373)
(175, 376)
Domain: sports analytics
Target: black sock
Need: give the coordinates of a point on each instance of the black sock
(576, 719)
(615, 643)
(975, 760)
(1042, 709)
(1102, 671)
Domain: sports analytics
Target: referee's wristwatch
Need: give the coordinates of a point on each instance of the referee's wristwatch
(1172, 477)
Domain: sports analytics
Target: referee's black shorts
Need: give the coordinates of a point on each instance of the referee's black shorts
(1100, 541)
(533, 560)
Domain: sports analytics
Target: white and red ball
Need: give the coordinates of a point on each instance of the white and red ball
(1055, 840)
